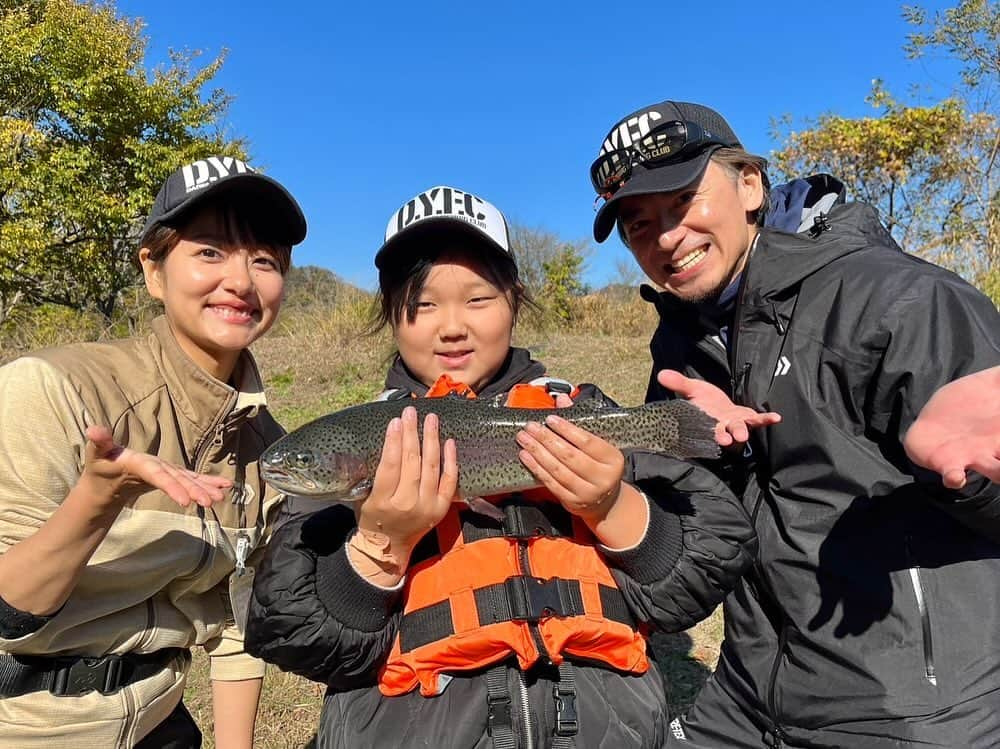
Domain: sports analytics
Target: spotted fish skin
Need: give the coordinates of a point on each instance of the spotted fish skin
(335, 456)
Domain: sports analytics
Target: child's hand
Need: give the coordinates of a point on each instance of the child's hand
(115, 475)
(412, 488)
(583, 471)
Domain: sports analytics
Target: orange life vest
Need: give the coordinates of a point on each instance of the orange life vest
(535, 588)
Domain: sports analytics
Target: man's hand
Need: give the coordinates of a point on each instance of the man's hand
(733, 422)
(959, 429)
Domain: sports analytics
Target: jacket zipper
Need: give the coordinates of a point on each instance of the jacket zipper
(925, 623)
(206, 533)
(772, 685)
(522, 688)
(525, 565)
(737, 312)
(739, 381)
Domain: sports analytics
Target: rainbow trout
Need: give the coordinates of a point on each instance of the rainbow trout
(335, 456)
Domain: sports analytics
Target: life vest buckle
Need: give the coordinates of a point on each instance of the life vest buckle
(500, 713)
(567, 721)
(533, 598)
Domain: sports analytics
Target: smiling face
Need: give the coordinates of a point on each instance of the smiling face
(220, 295)
(693, 242)
(461, 327)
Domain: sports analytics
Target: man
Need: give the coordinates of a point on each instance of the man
(870, 618)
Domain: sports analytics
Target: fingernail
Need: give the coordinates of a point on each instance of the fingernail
(553, 419)
(532, 427)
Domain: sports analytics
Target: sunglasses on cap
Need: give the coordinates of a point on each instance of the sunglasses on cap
(664, 142)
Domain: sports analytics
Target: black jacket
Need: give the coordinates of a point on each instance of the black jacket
(875, 600)
(313, 615)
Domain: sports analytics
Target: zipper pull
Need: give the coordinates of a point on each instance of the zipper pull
(242, 552)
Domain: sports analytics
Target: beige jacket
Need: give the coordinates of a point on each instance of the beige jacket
(160, 577)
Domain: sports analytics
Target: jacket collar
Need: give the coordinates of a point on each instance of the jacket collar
(518, 367)
(202, 399)
(785, 260)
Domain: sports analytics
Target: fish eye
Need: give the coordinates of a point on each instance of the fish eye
(302, 460)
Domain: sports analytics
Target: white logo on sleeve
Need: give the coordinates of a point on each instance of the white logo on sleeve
(203, 173)
(783, 366)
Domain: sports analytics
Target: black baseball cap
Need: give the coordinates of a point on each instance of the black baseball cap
(444, 209)
(660, 176)
(194, 183)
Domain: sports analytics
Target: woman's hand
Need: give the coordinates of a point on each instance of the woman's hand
(733, 422)
(39, 573)
(413, 488)
(959, 429)
(115, 475)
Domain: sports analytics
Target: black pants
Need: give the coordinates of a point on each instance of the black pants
(178, 731)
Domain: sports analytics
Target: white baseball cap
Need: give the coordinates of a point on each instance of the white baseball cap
(445, 208)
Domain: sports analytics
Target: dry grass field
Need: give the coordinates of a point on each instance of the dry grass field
(315, 362)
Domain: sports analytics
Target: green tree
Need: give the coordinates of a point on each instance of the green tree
(535, 247)
(87, 135)
(929, 169)
(562, 282)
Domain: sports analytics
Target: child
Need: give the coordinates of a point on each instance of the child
(130, 497)
(525, 632)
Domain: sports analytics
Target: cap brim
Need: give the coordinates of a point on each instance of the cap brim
(664, 178)
(274, 198)
(441, 227)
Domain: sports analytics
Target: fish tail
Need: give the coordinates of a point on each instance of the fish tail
(689, 431)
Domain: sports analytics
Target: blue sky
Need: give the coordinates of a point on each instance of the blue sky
(358, 106)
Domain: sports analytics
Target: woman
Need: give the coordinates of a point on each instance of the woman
(130, 503)
(416, 646)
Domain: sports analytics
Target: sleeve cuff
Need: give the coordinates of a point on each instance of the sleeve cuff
(654, 557)
(235, 667)
(15, 624)
(351, 600)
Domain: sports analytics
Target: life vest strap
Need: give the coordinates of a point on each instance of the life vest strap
(519, 598)
(567, 719)
(499, 713)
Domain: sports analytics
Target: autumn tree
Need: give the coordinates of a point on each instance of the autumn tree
(535, 247)
(930, 169)
(87, 135)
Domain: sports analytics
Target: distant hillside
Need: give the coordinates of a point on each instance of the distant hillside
(309, 285)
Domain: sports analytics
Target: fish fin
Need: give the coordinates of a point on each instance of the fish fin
(590, 404)
(480, 505)
(497, 401)
(695, 429)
